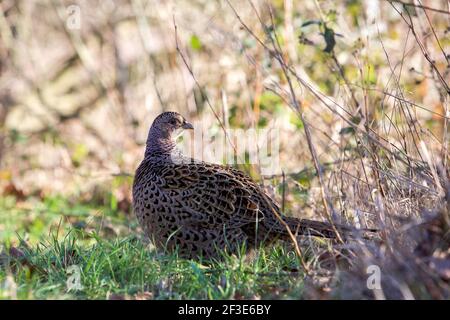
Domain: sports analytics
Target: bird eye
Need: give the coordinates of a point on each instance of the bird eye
(174, 122)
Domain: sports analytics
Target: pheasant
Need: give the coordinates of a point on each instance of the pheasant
(201, 208)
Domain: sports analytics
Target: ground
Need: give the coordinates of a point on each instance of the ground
(355, 92)
(117, 262)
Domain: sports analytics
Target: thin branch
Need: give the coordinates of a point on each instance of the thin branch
(200, 87)
(409, 4)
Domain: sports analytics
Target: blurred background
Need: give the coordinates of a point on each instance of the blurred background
(81, 82)
(357, 90)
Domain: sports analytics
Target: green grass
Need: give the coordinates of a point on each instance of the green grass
(50, 236)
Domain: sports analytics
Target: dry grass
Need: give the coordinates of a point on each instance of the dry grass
(358, 90)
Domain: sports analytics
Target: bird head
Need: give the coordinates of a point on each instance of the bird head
(169, 124)
(165, 130)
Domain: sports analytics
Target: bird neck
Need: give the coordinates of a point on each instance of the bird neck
(159, 144)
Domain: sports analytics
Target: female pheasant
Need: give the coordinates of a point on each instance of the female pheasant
(203, 208)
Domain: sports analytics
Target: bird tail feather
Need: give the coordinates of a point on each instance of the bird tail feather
(323, 229)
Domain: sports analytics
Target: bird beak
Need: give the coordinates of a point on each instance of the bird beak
(187, 125)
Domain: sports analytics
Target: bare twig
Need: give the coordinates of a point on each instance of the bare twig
(200, 87)
(409, 4)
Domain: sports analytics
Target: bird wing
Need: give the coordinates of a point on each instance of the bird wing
(215, 194)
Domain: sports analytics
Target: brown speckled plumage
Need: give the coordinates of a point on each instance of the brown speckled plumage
(201, 207)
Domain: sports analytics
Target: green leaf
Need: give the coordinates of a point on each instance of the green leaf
(329, 39)
(79, 154)
(346, 130)
(370, 76)
(270, 101)
(195, 42)
(305, 177)
(18, 137)
(310, 22)
(410, 9)
(355, 119)
(113, 202)
(262, 122)
(295, 120)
